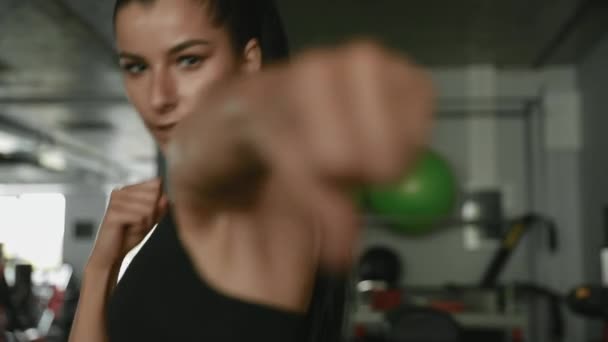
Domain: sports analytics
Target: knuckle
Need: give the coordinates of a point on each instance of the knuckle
(114, 195)
(311, 61)
(365, 45)
(113, 207)
(368, 52)
(318, 69)
(387, 165)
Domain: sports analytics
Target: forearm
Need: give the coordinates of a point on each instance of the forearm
(90, 321)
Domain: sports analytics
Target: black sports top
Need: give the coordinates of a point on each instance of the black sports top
(161, 298)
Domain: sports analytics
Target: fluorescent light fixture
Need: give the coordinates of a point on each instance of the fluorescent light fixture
(8, 143)
(52, 159)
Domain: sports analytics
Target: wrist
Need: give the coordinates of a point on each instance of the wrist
(96, 277)
(100, 267)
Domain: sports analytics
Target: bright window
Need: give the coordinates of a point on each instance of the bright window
(31, 228)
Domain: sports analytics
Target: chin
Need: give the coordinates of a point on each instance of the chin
(162, 146)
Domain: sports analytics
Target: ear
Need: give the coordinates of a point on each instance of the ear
(252, 56)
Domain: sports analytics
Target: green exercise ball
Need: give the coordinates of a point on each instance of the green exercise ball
(420, 200)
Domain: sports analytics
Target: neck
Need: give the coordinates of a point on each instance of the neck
(267, 253)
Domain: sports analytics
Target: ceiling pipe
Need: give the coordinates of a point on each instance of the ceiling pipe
(37, 142)
(52, 100)
(582, 12)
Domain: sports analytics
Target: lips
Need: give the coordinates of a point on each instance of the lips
(168, 126)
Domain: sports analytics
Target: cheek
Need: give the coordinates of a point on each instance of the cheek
(138, 97)
(197, 84)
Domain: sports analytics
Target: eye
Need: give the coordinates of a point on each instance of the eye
(189, 61)
(134, 68)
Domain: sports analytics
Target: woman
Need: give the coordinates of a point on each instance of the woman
(260, 166)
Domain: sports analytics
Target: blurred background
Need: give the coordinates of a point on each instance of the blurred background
(498, 234)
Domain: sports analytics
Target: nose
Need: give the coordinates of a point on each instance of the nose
(163, 96)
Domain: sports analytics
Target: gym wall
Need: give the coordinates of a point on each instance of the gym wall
(593, 81)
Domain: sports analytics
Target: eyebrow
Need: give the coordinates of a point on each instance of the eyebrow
(174, 50)
(187, 44)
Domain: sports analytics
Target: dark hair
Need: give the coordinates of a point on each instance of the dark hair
(244, 20)
(260, 19)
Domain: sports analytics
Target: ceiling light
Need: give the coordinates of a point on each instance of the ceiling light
(8, 143)
(52, 159)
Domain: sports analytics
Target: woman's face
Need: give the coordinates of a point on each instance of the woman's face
(171, 54)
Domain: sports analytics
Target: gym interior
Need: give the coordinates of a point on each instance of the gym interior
(499, 232)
